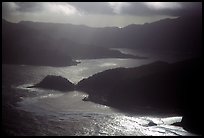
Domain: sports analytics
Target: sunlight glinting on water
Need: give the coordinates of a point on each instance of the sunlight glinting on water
(95, 119)
(108, 65)
(110, 123)
(50, 96)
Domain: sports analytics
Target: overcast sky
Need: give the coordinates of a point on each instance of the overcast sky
(97, 14)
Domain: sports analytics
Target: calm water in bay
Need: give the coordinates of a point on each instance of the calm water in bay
(58, 113)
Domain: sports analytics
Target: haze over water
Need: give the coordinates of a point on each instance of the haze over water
(45, 43)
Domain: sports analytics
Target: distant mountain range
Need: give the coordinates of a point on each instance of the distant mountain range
(40, 44)
(182, 34)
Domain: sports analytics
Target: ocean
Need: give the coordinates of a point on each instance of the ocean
(34, 111)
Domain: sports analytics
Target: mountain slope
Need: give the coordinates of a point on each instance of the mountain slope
(181, 35)
(162, 87)
(158, 84)
(47, 44)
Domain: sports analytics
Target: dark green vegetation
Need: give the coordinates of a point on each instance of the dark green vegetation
(56, 83)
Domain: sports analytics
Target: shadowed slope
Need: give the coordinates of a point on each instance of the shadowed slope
(56, 83)
(173, 88)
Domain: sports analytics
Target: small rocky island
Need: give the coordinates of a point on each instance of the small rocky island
(56, 83)
(171, 88)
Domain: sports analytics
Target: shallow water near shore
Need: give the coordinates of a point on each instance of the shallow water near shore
(95, 119)
(57, 113)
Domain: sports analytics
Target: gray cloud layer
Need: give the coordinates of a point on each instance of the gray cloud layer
(135, 8)
(184, 9)
(39, 10)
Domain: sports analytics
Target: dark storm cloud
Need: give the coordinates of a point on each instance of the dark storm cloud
(187, 8)
(21, 6)
(98, 13)
(191, 8)
(132, 8)
(10, 8)
(137, 8)
(141, 8)
(29, 6)
(92, 7)
(174, 9)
